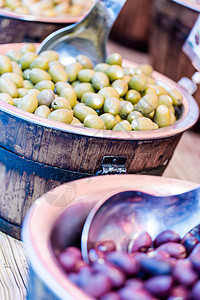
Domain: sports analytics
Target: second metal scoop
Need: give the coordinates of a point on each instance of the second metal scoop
(121, 216)
(89, 37)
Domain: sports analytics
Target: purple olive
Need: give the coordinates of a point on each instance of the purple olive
(159, 286)
(95, 255)
(98, 285)
(165, 237)
(116, 276)
(195, 294)
(128, 293)
(189, 242)
(67, 261)
(155, 267)
(184, 273)
(111, 296)
(141, 242)
(195, 251)
(85, 275)
(174, 249)
(74, 278)
(128, 265)
(195, 260)
(74, 251)
(179, 292)
(106, 246)
(135, 283)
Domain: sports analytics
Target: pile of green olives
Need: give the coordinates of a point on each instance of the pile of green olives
(105, 96)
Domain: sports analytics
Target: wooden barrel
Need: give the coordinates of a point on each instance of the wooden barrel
(171, 25)
(132, 26)
(38, 154)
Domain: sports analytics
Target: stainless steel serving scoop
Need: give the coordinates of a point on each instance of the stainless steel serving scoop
(125, 214)
(88, 37)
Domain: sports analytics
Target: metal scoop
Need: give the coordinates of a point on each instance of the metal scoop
(125, 214)
(88, 37)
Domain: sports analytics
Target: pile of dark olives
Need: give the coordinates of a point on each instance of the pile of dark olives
(105, 96)
(167, 267)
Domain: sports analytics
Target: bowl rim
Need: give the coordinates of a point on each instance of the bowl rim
(38, 223)
(187, 120)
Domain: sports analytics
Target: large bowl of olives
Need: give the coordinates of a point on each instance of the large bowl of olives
(62, 123)
(51, 236)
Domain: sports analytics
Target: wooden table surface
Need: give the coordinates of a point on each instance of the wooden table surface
(185, 164)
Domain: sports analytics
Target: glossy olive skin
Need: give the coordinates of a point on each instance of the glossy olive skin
(112, 105)
(93, 121)
(81, 111)
(61, 115)
(45, 97)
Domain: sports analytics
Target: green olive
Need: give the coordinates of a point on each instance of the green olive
(40, 62)
(16, 101)
(93, 121)
(16, 69)
(28, 103)
(128, 71)
(42, 111)
(75, 83)
(162, 116)
(109, 92)
(58, 74)
(147, 104)
(114, 59)
(75, 120)
(27, 84)
(101, 67)
(160, 90)
(45, 97)
(151, 115)
(138, 82)
(94, 101)
(22, 92)
(109, 120)
(117, 119)
(173, 118)
(133, 96)
(123, 126)
(85, 61)
(126, 78)
(33, 92)
(61, 115)
(172, 110)
(37, 75)
(28, 47)
(165, 100)
(151, 80)
(44, 84)
(81, 111)
(134, 115)
(126, 108)
(73, 70)
(85, 75)
(155, 126)
(146, 69)
(51, 55)
(15, 78)
(6, 98)
(112, 105)
(150, 90)
(121, 87)
(7, 86)
(26, 59)
(14, 55)
(176, 96)
(142, 123)
(83, 88)
(84, 97)
(100, 80)
(5, 64)
(60, 102)
(56, 63)
(69, 94)
(61, 85)
(26, 74)
(115, 72)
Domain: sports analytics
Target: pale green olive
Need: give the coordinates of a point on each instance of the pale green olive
(36, 75)
(85, 75)
(45, 97)
(100, 80)
(33, 92)
(146, 69)
(138, 82)
(44, 84)
(112, 106)
(114, 59)
(26, 59)
(85, 61)
(176, 96)
(7, 86)
(40, 62)
(121, 87)
(134, 115)
(173, 118)
(94, 101)
(126, 108)
(123, 126)
(26, 74)
(117, 119)
(147, 104)
(81, 111)
(160, 90)
(15, 78)
(73, 70)
(128, 71)
(14, 55)
(93, 121)
(162, 116)
(22, 92)
(69, 94)
(75, 120)
(142, 123)
(126, 78)
(82, 88)
(16, 101)
(6, 98)
(133, 96)
(27, 84)
(51, 55)
(60, 102)
(16, 69)
(84, 97)
(61, 115)
(5, 64)
(42, 111)
(115, 72)
(155, 126)
(109, 92)
(150, 90)
(28, 103)
(61, 85)
(165, 100)
(56, 63)
(101, 67)
(151, 80)
(28, 47)
(75, 83)
(58, 74)
(109, 120)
